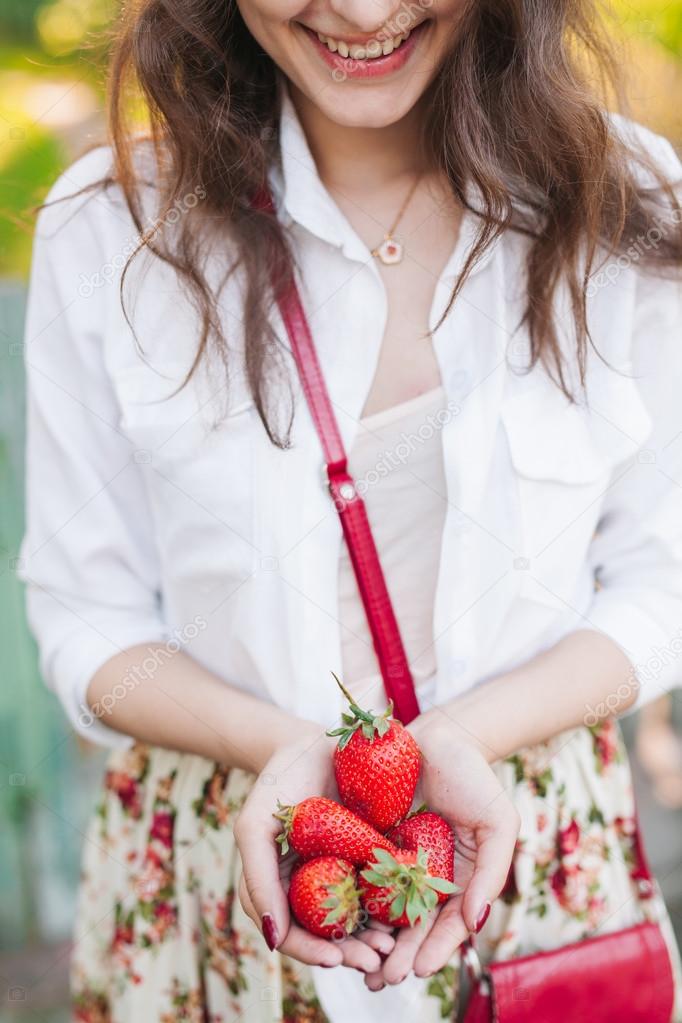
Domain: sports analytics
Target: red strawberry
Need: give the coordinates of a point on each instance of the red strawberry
(321, 827)
(324, 897)
(399, 890)
(427, 830)
(376, 764)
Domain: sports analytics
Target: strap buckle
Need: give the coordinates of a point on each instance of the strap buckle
(346, 488)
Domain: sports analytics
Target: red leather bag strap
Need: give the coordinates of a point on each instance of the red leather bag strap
(357, 531)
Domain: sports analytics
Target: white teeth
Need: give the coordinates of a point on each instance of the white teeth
(374, 48)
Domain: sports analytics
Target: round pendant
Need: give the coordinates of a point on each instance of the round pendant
(390, 251)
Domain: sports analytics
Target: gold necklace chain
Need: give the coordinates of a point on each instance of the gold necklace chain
(391, 251)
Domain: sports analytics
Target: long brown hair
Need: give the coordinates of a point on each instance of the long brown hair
(512, 110)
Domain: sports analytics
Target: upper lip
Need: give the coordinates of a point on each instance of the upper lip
(381, 34)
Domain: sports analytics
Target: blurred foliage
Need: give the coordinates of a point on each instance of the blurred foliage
(60, 26)
(52, 71)
(656, 20)
(52, 63)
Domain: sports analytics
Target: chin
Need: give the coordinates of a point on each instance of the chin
(376, 109)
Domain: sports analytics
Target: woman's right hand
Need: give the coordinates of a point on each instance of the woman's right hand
(298, 770)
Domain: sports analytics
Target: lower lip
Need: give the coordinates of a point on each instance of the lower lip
(372, 67)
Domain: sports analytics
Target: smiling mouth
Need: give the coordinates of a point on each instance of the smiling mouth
(368, 58)
(369, 51)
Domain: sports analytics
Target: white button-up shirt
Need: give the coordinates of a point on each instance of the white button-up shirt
(153, 519)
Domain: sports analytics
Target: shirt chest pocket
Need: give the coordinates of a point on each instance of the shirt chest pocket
(563, 463)
(196, 452)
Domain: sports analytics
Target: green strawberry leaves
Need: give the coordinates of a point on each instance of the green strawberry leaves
(378, 880)
(343, 904)
(285, 814)
(439, 884)
(398, 906)
(384, 856)
(410, 888)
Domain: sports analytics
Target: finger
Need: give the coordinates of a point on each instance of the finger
(493, 859)
(308, 948)
(381, 941)
(260, 866)
(357, 955)
(408, 942)
(375, 981)
(377, 925)
(447, 934)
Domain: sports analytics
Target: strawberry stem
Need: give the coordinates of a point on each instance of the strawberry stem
(422, 808)
(367, 721)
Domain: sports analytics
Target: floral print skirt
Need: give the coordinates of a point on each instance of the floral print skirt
(160, 935)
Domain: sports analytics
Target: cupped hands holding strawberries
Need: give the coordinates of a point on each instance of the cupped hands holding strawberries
(370, 880)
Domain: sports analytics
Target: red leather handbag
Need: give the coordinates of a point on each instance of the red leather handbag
(624, 976)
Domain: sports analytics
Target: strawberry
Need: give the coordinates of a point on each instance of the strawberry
(427, 830)
(324, 897)
(399, 890)
(376, 763)
(320, 827)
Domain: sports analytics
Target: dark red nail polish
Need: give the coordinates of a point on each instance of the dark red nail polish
(481, 918)
(270, 932)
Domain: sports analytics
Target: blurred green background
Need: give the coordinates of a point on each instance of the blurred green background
(52, 70)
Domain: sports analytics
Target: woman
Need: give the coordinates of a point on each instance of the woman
(488, 263)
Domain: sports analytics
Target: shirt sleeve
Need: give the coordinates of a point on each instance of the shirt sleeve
(637, 551)
(88, 556)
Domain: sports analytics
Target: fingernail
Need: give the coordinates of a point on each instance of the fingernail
(270, 932)
(482, 917)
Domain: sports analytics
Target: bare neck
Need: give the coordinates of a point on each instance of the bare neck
(351, 158)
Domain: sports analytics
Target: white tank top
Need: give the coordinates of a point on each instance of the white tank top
(397, 463)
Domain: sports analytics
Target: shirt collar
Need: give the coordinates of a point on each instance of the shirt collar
(300, 193)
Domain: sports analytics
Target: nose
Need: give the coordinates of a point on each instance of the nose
(366, 15)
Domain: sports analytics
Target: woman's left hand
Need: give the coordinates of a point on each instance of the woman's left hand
(458, 783)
